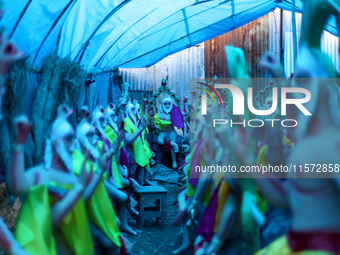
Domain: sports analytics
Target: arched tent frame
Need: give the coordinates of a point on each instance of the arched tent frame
(164, 89)
(125, 33)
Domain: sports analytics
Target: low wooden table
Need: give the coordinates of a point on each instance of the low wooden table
(157, 193)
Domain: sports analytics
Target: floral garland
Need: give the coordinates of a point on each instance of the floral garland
(260, 94)
(165, 89)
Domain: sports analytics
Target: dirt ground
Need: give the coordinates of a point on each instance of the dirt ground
(152, 239)
(8, 211)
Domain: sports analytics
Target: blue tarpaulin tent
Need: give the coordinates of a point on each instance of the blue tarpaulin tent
(130, 33)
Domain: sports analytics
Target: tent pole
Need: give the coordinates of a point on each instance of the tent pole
(294, 34)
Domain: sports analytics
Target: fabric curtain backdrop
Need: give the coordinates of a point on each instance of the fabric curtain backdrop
(126, 33)
(101, 88)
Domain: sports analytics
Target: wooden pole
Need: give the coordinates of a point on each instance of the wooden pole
(294, 33)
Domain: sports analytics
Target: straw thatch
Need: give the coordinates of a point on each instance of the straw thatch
(71, 79)
(13, 105)
(44, 102)
(60, 83)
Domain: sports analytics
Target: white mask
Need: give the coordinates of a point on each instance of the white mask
(82, 130)
(112, 121)
(166, 101)
(97, 114)
(131, 112)
(60, 128)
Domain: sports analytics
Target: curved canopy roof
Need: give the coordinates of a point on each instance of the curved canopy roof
(126, 33)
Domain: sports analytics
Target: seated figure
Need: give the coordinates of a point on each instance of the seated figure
(102, 217)
(120, 160)
(168, 119)
(7, 241)
(111, 185)
(56, 197)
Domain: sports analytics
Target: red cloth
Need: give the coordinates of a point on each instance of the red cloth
(133, 168)
(130, 183)
(154, 146)
(129, 201)
(183, 165)
(328, 242)
(122, 248)
(167, 145)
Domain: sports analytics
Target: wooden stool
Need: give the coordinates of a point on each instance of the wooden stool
(157, 193)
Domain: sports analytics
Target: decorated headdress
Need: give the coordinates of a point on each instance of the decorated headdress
(64, 111)
(83, 128)
(96, 115)
(129, 112)
(85, 113)
(60, 128)
(164, 89)
(167, 98)
(109, 111)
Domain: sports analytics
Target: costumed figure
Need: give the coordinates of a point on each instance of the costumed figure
(309, 233)
(137, 147)
(193, 200)
(111, 184)
(186, 103)
(168, 119)
(53, 217)
(317, 143)
(120, 160)
(101, 214)
(230, 223)
(152, 135)
(8, 54)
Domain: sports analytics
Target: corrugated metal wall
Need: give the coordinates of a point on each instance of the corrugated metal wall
(329, 43)
(178, 68)
(275, 45)
(288, 40)
(255, 38)
(252, 38)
